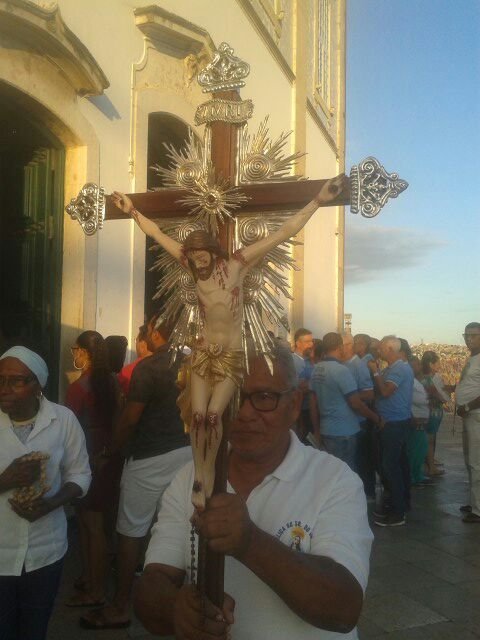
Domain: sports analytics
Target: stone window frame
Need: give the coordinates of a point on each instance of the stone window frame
(322, 75)
(275, 13)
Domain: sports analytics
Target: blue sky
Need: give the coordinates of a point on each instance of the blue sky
(413, 101)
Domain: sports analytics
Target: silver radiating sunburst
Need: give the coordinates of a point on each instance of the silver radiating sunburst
(211, 199)
(264, 159)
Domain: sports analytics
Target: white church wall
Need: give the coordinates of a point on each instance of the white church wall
(106, 142)
(120, 276)
(321, 241)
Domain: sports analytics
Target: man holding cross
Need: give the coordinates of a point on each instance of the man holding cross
(217, 358)
(293, 527)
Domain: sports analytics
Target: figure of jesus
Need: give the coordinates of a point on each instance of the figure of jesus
(217, 359)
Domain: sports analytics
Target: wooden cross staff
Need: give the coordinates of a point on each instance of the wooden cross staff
(370, 188)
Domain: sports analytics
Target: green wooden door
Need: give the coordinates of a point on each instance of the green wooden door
(42, 272)
(31, 257)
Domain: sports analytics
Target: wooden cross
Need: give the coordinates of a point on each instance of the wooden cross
(268, 197)
(264, 198)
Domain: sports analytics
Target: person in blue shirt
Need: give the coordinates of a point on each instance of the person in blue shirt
(303, 346)
(394, 393)
(361, 346)
(366, 446)
(338, 400)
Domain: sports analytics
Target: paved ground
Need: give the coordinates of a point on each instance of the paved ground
(425, 577)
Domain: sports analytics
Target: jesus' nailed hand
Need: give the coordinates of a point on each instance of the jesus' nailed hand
(217, 358)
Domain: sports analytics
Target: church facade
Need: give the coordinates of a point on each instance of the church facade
(91, 91)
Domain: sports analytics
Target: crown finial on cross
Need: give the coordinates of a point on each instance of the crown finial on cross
(224, 72)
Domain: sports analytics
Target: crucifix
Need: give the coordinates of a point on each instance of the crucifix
(223, 262)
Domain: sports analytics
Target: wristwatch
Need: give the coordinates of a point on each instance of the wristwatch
(466, 408)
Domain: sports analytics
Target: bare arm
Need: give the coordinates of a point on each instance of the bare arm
(148, 227)
(333, 599)
(356, 403)
(126, 425)
(19, 473)
(474, 404)
(41, 506)
(166, 606)
(328, 194)
(155, 597)
(385, 389)
(367, 395)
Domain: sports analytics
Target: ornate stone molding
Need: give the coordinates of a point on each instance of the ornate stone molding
(172, 34)
(263, 22)
(43, 30)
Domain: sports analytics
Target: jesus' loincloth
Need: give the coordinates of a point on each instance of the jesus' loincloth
(214, 364)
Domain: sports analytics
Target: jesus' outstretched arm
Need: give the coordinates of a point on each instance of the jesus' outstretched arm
(148, 227)
(328, 194)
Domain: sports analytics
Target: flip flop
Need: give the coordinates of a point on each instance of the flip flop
(84, 603)
(99, 622)
(80, 584)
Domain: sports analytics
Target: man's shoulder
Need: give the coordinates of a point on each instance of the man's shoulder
(326, 470)
(307, 461)
(474, 360)
(159, 359)
(328, 369)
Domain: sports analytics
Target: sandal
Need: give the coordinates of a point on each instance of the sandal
(80, 584)
(97, 620)
(82, 600)
(438, 472)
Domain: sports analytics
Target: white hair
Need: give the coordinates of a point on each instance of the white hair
(393, 343)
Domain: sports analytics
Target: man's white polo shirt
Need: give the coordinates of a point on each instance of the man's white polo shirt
(469, 386)
(312, 502)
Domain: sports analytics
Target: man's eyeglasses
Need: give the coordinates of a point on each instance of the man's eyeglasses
(16, 382)
(263, 400)
(470, 335)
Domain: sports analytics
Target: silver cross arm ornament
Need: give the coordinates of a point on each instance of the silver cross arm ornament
(371, 187)
(88, 208)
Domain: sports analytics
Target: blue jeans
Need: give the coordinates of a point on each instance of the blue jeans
(343, 447)
(26, 602)
(395, 465)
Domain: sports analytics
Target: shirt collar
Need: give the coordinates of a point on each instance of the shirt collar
(164, 347)
(394, 364)
(292, 462)
(332, 359)
(44, 417)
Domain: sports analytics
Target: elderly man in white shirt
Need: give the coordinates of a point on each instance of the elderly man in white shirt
(468, 408)
(293, 526)
(34, 529)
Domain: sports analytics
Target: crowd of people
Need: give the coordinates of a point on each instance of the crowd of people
(367, 410)
(378, 407)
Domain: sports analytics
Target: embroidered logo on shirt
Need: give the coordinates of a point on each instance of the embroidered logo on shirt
(295, 535)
